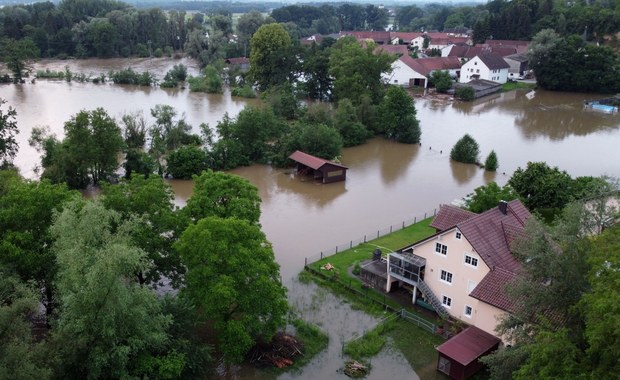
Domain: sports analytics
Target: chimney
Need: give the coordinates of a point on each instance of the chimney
(376, 255)
(503, 207)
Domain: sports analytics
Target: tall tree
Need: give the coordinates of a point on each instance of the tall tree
(16, 54)
(230, 265)
(8, 130)
(541, 186)
(398, 114)
(107, 323)
(488, 196)
(271, 61)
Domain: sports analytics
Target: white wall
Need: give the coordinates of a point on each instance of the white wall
(401, 74)
(476, 66)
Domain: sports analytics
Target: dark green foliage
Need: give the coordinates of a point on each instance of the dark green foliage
(283, 101)
(213, 81)
(441, 80)
(174, 76)
(491, 163)
(398, 115)
(486, 197)
(541, 186)
(466, 93)
(129, 76)
(465, 150)
(197, 84)
(16, 55)
(271, 61)
(186, 161)
(8, 130)
(345, 121)
(245, 91)
(230, 265)
(316, 139)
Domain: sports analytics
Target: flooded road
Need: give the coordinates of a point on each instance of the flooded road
(387, 183)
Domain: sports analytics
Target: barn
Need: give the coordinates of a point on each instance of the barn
(321, 169)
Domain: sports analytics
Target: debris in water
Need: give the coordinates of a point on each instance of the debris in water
(280, 352)
(355, 369)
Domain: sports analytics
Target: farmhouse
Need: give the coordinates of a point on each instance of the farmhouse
(487, 66)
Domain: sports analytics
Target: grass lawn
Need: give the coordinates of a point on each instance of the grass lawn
(509, 86)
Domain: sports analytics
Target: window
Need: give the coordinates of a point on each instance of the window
(458, 235)
(470, 260)
(477, 70)
(446, 276)
(471, 285)
(468, 311)
(446, 301)
(440, 248)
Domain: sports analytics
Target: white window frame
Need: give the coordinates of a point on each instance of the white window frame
(439, 249)
(469, 255)
(446, 302)
(458, 235)
(471, 311)
(448, 277)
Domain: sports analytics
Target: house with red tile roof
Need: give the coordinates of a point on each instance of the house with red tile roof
(462, 269)
(409, 72)
(520, 46)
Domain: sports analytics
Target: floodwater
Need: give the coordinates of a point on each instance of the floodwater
(387, 183)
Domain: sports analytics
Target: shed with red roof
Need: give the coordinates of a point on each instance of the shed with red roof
(459, 357)
(324, 170)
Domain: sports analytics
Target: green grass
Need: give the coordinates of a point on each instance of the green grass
(509, 86)
(344, 260)
(418, 347)
(370, 343)
(313, 338)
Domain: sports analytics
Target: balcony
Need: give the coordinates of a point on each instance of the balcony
(407, 267)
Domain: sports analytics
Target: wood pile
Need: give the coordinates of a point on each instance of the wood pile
(355, 369)
(279, 353)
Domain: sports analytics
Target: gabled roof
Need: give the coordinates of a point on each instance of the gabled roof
(493, 61)
(237, 60)
(377, 36)
(518, 57)
(486, 233)
(425, 66)
(449, 216)
(519, 46)
(406, 36)
(312, 161)
(491, 289)
(468, 345)
(470, 52)
(393, 49)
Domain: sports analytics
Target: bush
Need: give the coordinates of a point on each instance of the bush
(441, 80)
(491, 163)
(465, 93)
(158, 53)
(244, 91)
(186, 161)
(127, 76)
(146, 79)
(465, 150)
(213, 80)
(197, 84)
(168, 51)
(142, 51)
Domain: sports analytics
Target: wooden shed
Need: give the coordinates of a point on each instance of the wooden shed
(459, 356)
(321, 169)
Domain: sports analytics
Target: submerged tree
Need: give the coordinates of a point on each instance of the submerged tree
(398, 115)
(465, 150)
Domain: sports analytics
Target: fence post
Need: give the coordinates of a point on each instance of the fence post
(424, 215)
(336, 249)
(403, 224)
(351, 244)
(364, 238)
(321, 255)
(415, 219)
(435, 212)
(305, 262)
(377, 234)
(390, 228)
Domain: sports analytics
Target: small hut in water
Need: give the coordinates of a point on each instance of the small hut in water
(319, 168)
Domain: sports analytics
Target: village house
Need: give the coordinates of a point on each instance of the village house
(462, 269)
(410, 72)
(519, 46)
(487, 66)
(519, 66)
(465, 52)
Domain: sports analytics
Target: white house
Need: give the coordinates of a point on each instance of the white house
(409, 72)
(462, 269)
(487, 66)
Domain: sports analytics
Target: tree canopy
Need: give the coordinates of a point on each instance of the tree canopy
(270, 61)
(398, 115)
(465, 150)
(8, 130)
(233, 277)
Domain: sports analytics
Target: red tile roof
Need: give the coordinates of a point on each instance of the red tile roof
(425, 66)
(470, 52)
(449, 216)
(468, 345)
(406, 36)
(487, 234)
(377, 36)
(492, 289)
(237, 60)
(393, 49)
(311, 161)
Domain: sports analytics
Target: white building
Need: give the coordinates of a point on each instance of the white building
(487, 66)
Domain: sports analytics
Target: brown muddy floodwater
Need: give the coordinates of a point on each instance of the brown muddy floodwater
(387, 183)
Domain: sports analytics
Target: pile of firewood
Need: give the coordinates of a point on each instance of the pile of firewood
(355, 369)
(280, 352)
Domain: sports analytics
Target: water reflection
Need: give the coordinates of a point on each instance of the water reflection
(463, 173)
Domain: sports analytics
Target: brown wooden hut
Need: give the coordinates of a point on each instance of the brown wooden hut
(321, 169)
(459, 356)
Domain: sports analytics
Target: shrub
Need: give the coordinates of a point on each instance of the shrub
(197, 84)
(465, 93)
(491, 163)
(441, 80)
(142, 51)
(158, 53)
(127, 76)
(168, 51)
(244, 91)
(186, 161)
(146, 79)
(465, 150)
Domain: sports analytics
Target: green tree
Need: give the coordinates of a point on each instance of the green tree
(541, 186)
(16, 54)
(231, 265)
(441, 80)
(488, 196)
(345, 121)
(398, 115)
(270, 56)
(20, 357)
(491, 162)
(107, 322)
(465, 150)
(466, 93)
(248, 24)
(26, 210)
(213, 80)
(186, 161)
(225, 196)
(357, 70)
(150, 201)
(283, 101)
(319, 140)
(8, 130)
